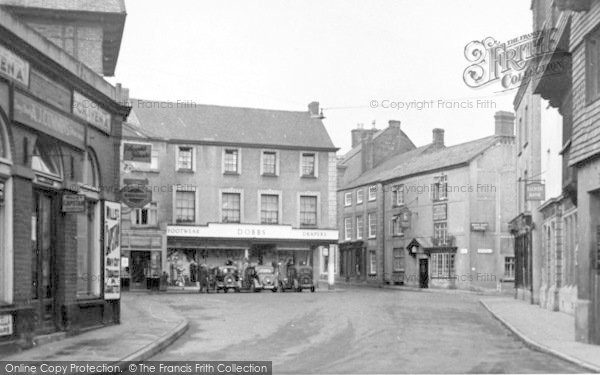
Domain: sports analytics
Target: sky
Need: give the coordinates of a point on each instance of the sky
(345, 54)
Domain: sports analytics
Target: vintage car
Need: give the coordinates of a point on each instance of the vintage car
(288, 279)
(249, 280)
(305, 278)
(228, 278)
(267, 278)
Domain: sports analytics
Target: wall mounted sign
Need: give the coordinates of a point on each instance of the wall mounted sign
(50, 91)
(137, 152)
(73, 203)
(535, 191)
(31, 113)
(479, 227)
(217, 230)
(112, 250)
(136, 196)
(91, 112)
(440, 212)
(485, 251)
(14, 67)
(6, 325)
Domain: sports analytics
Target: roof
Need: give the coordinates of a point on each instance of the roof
(234, 125)
(104, 6)
(423, 159)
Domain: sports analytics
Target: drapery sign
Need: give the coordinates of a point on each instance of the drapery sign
(112, 250)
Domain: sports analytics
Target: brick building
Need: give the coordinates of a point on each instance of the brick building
(60, 133)
(434, 216)
(227, 184)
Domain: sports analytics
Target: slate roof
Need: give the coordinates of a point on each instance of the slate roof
(101, 6)
(211, 123)
(423, 159)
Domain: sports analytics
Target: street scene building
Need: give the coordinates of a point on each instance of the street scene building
(433, 216)
(228, 185)
(60, 132)
(556, 233)
(355, 195)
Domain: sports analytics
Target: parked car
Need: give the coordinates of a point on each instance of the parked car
(267, 278)
(228, 278)
(305, 276)
(249, 280)
(288, 279)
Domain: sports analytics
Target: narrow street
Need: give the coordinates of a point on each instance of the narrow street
(353, 331)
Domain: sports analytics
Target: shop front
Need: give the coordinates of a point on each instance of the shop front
(58, 231)
(190, 247)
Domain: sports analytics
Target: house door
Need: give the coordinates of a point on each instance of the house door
(43, 239)
(423, 273)
(140, 261)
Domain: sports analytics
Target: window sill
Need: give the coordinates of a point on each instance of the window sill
(185, 171)
(270, 175)
(398, 235)
(305, 226)
(372, 200)
(89, 300)
(372, 237)
(133, 226)
(508, 280)
(229, 173)
(398, 205)
(309, 177)
(357, 203)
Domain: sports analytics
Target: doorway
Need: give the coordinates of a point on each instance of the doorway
(140, 261)
(423, 273)
(43, 238)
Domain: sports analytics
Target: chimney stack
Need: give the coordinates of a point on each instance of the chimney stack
(505, 123)
(394, 124)
(438, 137)
(313, 110)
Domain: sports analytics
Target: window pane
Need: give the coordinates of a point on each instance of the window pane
(231, 161)
(231, 208)
(269, 210)
(184, 160)
(308, 210)
(88, 252)
(269, 163)
(185, 206)
(308, 164)
(359, 227)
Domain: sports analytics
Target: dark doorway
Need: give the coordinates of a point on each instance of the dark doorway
(424, 273)
(43, 239)
(140, 261)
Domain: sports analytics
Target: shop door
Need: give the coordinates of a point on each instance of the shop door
(423, 273)
(140, 260)
(43, 265)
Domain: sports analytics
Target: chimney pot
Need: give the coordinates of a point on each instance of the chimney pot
(505, 123)
(438, 137)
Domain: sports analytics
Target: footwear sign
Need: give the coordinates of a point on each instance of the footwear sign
(112, 250)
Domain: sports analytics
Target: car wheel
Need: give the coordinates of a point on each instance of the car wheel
(224, 290)
(299, 290)
(312, 289)
(274, 290)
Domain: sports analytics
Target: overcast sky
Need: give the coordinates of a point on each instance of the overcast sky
(343, 53)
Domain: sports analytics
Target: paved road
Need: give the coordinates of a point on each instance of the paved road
(354, 332)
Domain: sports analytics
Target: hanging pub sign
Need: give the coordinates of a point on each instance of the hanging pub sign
(440, 212)
(136, 196)
(405, 219)
(112, 250)
(73, 203)
(137, 152)
(13, 67)
(535, 191)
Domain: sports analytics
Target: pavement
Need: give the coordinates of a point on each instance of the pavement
(147, 327)
(544, 330)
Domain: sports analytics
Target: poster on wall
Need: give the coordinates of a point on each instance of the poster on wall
(112, 250)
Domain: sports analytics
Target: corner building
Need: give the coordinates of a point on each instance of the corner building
(227, 184)
(60, 131)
